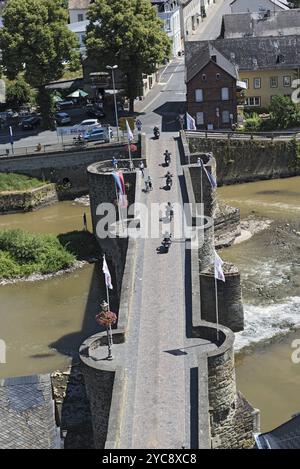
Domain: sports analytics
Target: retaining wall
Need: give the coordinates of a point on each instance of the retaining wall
(16, 201)
(248, 160)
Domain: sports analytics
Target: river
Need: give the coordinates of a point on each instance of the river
(44, 322)
(269, 265)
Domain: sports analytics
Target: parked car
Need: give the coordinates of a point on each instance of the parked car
(30, 122)
(97, 134)
(93, 111)
(62, 118)
(86, 124)
(61, 105)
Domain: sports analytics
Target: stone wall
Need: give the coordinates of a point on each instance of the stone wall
(230, 306)
(16, 201)
(249, 160)
(66, 169)
(102, 190)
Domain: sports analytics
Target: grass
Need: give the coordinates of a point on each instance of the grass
(18, 182)
(23, 254)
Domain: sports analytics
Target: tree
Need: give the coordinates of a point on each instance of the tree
(284, 113)
(18, 93)
(35, 40)
(129, 34)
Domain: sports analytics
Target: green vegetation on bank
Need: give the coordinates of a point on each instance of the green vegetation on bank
(23, 254)
(282, 114)
(18, 182)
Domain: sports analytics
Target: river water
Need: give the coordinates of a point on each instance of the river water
(43, 323)
(269, 264)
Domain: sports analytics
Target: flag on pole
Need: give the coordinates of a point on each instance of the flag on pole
(219, 274)
(190, 122)
(119, 180)
(11, 136)
(129, 132)
(107, 275)
(209, 176)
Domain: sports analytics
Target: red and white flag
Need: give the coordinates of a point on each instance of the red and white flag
(107, 275)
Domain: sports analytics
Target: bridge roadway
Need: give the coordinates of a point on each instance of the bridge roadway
(158, 354)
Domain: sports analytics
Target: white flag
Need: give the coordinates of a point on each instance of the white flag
(190, 122)
(106, 274)
(129, 132)
(219, 274)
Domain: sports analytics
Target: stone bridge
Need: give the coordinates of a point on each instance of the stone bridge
(171, 383)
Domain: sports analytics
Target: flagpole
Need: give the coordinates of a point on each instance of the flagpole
(119, 208)
(217, 306)
(130, 159)
(108, 329)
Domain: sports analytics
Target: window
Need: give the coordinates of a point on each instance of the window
(218, 76)
(252, 101)
(286, 81)
(225, 117)
(168, 25)
(82, 39)
(256, 83)
(199, 96)
(204, 77)
(246, 80)
(80, 16)
(273, 82)
(225, 94)
(200, 118)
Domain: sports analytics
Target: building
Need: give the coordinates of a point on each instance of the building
(278, 23)
(78, 10)
(286, 436)
(79, 28)
(27, 414)
(191, 12)
(169, 12)
(212, 89)
(268, 65)
(248, 6)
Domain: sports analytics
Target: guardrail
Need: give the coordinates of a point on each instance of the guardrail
(58, 147)
(231, 135)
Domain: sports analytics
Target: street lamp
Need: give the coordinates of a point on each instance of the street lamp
(112, 68)
(107, 318)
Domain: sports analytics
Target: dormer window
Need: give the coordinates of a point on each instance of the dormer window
(204, 76)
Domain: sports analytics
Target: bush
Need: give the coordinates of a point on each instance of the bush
(24, 253)
(18, 182)
(253, 123)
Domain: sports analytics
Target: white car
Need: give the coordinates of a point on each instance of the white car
(85, 125)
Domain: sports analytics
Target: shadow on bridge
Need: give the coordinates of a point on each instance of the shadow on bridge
(169, 113)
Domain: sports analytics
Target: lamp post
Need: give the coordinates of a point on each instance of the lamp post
(112, 68)
(106, 318)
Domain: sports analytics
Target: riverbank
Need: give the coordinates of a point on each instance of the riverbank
(269, 262)
(31, 257)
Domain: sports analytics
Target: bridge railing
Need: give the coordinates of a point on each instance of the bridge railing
(231, 135)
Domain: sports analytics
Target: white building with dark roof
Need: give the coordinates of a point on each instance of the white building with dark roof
(78, 10)
(250, 6)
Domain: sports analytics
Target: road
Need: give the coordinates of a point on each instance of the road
(210, 28)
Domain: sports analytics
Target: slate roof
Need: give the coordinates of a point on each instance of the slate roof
(27, 417)
(79, 4)
(253, 24)
(201, 58)
(280, 3)
(287, 436)
(251, 53)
